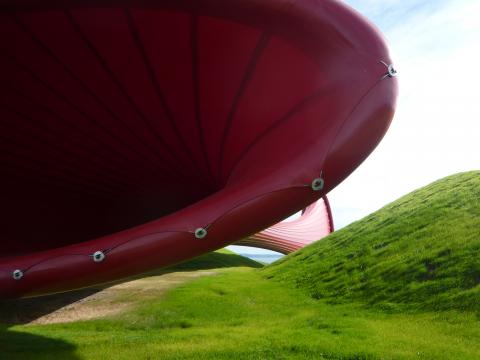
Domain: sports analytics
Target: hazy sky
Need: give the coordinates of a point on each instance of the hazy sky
(436, 130)
(435, 46)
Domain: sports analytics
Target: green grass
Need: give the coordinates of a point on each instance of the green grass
(218, 259)
(25, 310)
(238, 314)
(421, 252)
(399, 284)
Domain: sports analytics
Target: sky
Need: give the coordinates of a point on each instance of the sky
(435, 46)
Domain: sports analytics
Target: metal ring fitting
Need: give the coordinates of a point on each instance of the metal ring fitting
(200, 233)
(392, 72)
(98, 256)
(317, 184)
(17, 274)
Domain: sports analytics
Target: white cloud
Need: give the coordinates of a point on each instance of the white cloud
(436, 131)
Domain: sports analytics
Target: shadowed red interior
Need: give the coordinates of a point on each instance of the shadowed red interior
(112, 117)
(127, 125)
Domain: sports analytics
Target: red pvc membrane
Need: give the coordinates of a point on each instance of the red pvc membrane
(149, 132)
(315, 223)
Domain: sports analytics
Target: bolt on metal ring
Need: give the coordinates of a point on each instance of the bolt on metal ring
(200, 233)
(392, 72)
(17, 274)
(98, 256)
(317, 184)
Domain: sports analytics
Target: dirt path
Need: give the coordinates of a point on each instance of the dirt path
(117, 298)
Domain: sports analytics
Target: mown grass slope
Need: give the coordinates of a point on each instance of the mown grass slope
(27, 310)
(421, 252)
(400, 284)
(239, 314)
(217, 259)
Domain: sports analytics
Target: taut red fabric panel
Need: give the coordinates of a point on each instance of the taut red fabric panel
(148, 132)
(315, 223)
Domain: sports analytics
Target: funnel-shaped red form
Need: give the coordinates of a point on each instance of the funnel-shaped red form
(136, 134)
(315, 223)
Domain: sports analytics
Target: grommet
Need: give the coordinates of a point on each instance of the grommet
(17, 274)
(98, 256)
(200, 233)
(392, 72)
(317, 184)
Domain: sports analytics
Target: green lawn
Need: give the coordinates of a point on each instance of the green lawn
(403, 283)
(238, 314)
(218, 259)
(421, 252)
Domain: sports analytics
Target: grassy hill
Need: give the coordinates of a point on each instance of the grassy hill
(421, 252)
(27, 310)
(403, 283)
(222, 258)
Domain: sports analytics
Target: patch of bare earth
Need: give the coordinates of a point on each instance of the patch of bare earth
(118, 298)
